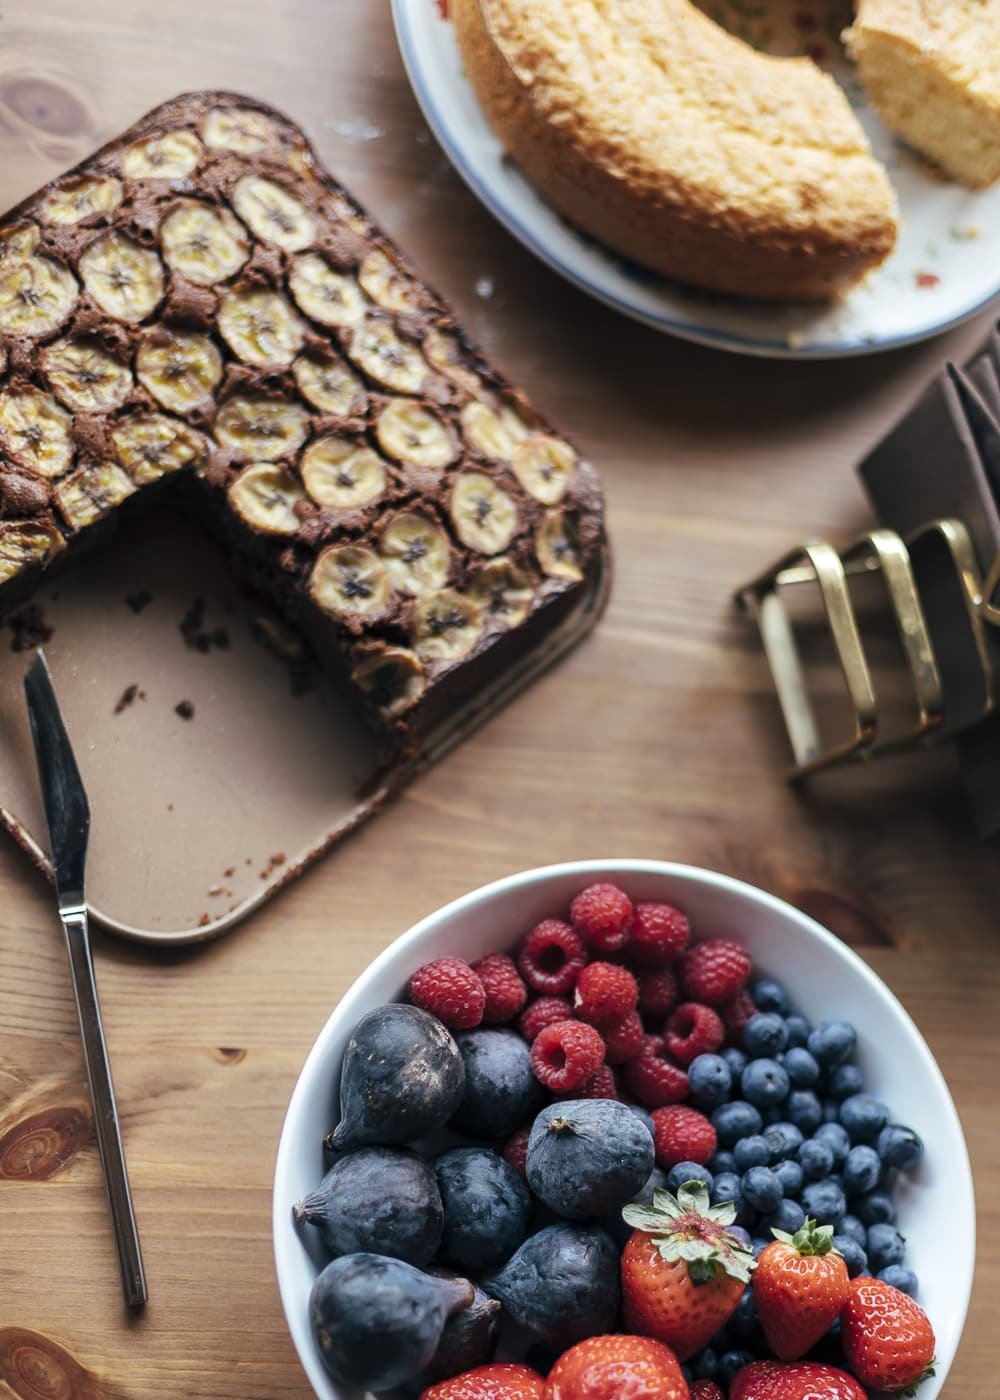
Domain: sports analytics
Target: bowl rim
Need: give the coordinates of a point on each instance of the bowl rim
(960, 1171)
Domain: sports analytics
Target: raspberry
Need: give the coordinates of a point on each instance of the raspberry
(566, 1054)
(551, 956)
(604, 993)
(450, 990)
(706, 1390)
(682, 1135)
(602, 915)
(693, 1030)
(715, 971)
(546, 1011)
(658, 993)
(622, 1038)
(660, 934)
(516, 1150)
(652, 1079)
(505, 992)
(600, 1085)
(737, 1014)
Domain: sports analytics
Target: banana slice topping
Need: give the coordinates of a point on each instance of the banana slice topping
(260, 327)
(503, 593)
(392, 678)
(168, 157)
(26, 542)
(388, 285)
(19, 240)
(180, 369)
(444, 354)
(329, 385)
(36, 295)
(91, 492)
(544, 465)
(445, 626)
(237, 129)
(35, 428)
(416, 553)
(125, 279)
(265, 497)
(556, 546)
(411, 432)
(261, 429)
(494, 434)
(273, 214)
(342, 473)
(377, 349)
(85, 377)
(78, 198)
(203, 244)
(331, 298)
(152, 445)
(350, 580)
(485, 517)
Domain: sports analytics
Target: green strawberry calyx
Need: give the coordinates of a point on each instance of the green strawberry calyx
(687, 1227)
(928, 1371)
(809, 1240)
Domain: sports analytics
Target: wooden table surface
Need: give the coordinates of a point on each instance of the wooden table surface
(658, 737)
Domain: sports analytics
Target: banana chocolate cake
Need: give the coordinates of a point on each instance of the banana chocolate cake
(201, 310)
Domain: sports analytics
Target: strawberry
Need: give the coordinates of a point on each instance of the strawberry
(798, 1380)
(887, 1338)
(706, 1390)
(683, 1273)
(611, 1368)
(497, 1382)
(800, 1285)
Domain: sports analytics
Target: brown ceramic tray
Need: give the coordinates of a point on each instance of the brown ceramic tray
(196, 822)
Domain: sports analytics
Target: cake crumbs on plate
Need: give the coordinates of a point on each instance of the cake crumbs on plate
(139, 600)
(29, 628)
(128, 697)
(272, 865)
(199, 637)
(185, 709)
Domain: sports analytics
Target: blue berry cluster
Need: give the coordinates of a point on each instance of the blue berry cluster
(799, 1137)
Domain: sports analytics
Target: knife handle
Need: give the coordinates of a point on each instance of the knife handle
(102, 1094)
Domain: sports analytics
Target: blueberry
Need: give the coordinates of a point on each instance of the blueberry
(900, 1147)
(833, 1043)
(788, 1216)
(752, 1152)
(735, 1120)
(643, 1115)
(725, 1187)
(815, 1159)
(824, 1202)
(761, 1189)
(745, 1322)
(802, 1070)
(852, 1226)
(803, 1110)
(765, 1035)
(899, 1277)
(723, 1161)
(836, 1137)
(501, 1091)
(710, 1081)
(844, 1081)
(864, 1117)
(770, 996)
(562, 1284)
(487, 1209)
(758, 1244)
(587, 1157)
(705, 1365)
(729, 1363)
(798, 1029)
(736, 1060)
(687, 1171)
(885, 1246)
(784, 1140)
(764, 1083)
(861, 1170)
(378, 1200)
(742, 1235)
(854, 1255)
(790, 1175)
(877, 1208)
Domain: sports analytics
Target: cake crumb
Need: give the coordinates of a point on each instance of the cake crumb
(204, 920)
(139, 600)
(170, 806)
(273, 863)
(29, 628)
(215, 891)
(196, 635)
(128, 697)
(185, 709)
(229, 871)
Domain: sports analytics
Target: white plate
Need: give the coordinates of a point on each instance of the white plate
(946, 266)
(825, 978)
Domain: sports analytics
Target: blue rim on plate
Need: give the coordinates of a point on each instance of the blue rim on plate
(404, 13)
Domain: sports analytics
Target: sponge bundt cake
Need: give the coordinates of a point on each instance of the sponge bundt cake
(680, 146)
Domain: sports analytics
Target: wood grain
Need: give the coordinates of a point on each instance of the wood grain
(659, 737)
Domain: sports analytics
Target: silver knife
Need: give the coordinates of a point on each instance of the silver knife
(68, 815)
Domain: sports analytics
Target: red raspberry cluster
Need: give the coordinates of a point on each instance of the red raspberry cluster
(614, 1004)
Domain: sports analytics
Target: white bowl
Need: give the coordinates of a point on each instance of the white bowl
(825, 979)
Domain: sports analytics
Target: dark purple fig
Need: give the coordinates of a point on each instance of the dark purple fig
(562, 1284)
(469, 1338)
(402, 1076)
(501, 1091)
(377, 1321)
(588, 1157)
(378, 1200)
(487, 1208)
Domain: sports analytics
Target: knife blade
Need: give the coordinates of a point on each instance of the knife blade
(67, 814)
